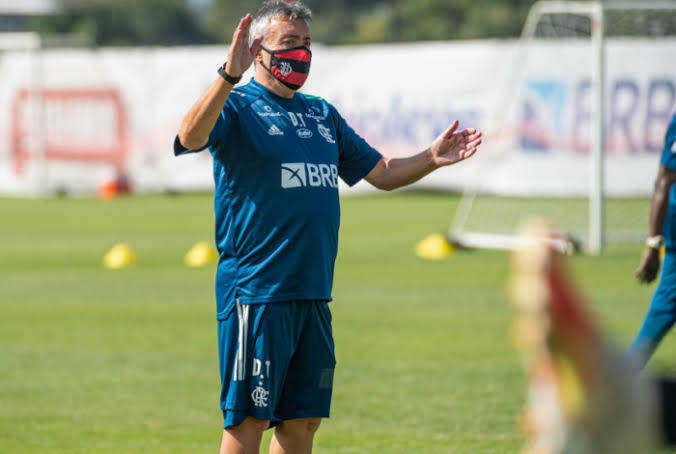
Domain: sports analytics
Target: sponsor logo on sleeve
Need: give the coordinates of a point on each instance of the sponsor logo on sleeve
(673, 147)
(315, 114)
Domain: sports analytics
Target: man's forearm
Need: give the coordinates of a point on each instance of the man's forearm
(659, 204)
(200, 120)
(404, 171)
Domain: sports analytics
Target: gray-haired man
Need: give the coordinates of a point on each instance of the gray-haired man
(278, 155)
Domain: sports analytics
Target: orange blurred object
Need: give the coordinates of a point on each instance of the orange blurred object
(111, 188)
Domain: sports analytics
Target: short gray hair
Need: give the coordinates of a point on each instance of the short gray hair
(275, 9)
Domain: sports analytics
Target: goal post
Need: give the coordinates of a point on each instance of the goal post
(67, 133)
(565, 40)
(21, 69)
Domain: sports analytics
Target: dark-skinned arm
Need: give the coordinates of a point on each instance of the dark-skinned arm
(650, 262)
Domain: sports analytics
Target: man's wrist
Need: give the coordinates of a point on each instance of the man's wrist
(432, 161)
(655, 242)
(222, 71)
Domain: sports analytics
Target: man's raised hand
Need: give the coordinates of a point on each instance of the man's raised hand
(453, 146)
(240, 55)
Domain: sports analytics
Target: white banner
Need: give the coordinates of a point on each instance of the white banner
(119, 109)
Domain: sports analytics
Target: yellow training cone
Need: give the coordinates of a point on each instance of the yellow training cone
(120, 256)
(201, 254)
(434, 247)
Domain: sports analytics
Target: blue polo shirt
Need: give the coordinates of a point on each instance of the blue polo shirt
(276, 167)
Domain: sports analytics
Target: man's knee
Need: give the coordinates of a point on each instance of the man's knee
(251, 425)
(302, 427)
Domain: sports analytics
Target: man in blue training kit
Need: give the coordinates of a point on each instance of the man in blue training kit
(277, 156)
(662, 313)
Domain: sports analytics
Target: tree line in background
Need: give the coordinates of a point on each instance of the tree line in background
(180, 22)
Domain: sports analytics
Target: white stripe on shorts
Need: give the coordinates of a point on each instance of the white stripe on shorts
(245, 316)
(235, 375)
(243, 328)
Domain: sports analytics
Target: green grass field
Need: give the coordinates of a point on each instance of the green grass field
(93, 360)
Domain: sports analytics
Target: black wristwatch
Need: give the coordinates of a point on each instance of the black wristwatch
(233, 80)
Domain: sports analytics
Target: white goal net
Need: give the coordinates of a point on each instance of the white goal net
(593, 84)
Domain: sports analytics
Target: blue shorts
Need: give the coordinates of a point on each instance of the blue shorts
(276, 361)
(661, 315)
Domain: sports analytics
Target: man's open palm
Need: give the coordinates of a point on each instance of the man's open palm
(453, 146)
(241, 56)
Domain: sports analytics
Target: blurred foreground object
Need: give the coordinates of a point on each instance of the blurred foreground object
(583, 396)
(200, 255)
(120, 256)
(114, 187)
(434, 247)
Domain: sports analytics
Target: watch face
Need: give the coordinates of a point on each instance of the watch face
(655, 242)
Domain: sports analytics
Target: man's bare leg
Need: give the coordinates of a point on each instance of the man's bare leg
(245, 438)
(294, 436)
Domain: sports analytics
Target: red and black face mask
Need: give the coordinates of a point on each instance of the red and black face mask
(290, 66)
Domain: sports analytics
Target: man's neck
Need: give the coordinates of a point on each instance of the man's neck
(267, 80)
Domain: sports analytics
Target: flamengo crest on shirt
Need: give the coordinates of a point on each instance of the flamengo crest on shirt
(326, 133)
(301, 175)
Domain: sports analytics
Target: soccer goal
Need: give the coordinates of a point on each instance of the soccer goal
(579, 128)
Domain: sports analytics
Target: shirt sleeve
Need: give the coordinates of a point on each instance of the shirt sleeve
(357, 158)
(669, 153)
(217, 137)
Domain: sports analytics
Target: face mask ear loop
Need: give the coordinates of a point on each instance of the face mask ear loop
(262, 63)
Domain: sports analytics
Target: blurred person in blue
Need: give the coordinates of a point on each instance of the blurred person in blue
(662, 312)
(278, 155)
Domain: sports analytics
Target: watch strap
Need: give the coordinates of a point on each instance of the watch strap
(230, 79)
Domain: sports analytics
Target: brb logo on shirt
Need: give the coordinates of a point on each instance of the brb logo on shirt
(302, 174)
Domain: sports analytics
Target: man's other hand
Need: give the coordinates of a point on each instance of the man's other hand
(650, 265)
(240, 55)
(453, 146)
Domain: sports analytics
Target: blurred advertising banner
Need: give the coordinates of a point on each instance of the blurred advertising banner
(72, 118)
